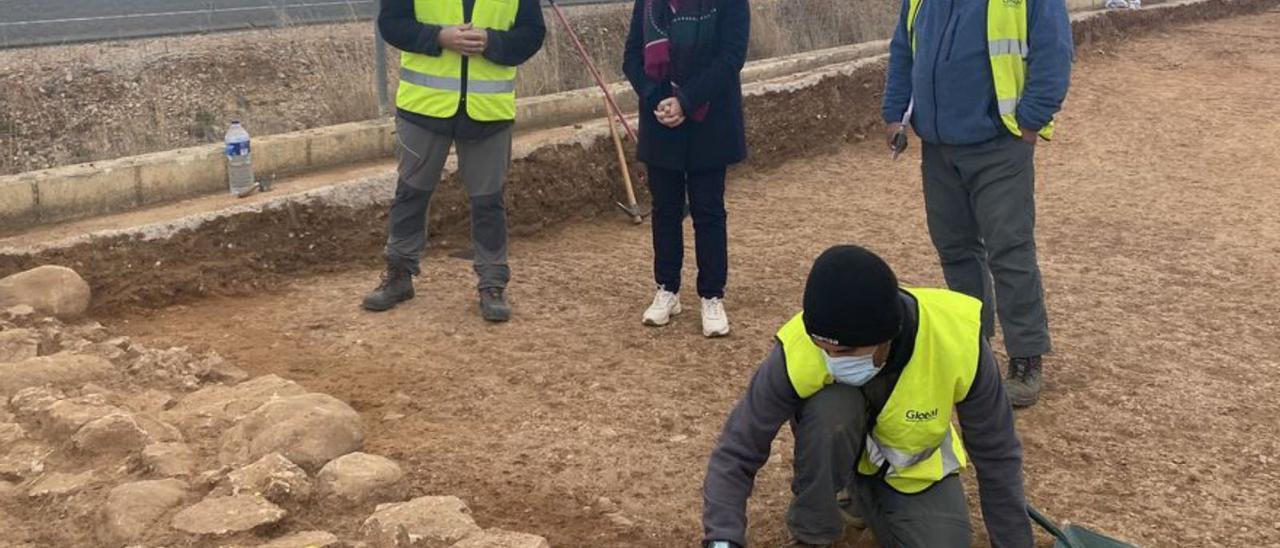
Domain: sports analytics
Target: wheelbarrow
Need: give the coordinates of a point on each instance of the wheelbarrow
(1074, 536)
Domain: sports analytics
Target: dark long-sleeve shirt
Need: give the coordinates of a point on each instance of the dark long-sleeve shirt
(401, 29)
(986, 420)
(949, 74)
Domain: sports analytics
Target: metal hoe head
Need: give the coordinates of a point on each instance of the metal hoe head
(636, 212)
(1074, 536)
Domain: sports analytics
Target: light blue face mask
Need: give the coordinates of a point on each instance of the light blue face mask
(852, 370)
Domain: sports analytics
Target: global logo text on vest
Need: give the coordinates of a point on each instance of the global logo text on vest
(921, 416)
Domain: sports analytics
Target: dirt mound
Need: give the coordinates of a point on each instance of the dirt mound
(252, 251)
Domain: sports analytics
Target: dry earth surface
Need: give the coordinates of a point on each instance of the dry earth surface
(1158, 240)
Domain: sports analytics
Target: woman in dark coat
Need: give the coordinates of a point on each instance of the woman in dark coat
(683, 58)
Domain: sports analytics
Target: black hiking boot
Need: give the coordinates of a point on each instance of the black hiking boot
(1023, 381)
(396, 287)
(493, 305)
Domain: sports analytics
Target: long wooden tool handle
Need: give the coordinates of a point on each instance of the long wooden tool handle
(611, 105)
(626, 173)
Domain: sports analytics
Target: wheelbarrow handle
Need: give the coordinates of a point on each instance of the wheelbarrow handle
(1048, 525)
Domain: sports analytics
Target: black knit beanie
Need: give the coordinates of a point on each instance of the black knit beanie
(851, 298)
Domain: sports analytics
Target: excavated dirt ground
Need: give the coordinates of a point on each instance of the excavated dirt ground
(1159, 244)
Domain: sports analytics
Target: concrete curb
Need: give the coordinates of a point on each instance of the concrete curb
(84, 190)
(358, 193)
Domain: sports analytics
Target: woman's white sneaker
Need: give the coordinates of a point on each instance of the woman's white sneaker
(715, 323)
(665, 305)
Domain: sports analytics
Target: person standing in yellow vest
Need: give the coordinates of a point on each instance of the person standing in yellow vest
(457, 88)
(873, 379)
(980, 81)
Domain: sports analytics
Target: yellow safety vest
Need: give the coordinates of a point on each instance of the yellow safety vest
(1007, 47)
(914, 434)
(432, 85)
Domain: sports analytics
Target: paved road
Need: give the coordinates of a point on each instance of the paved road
(38, 22)
(43, 22)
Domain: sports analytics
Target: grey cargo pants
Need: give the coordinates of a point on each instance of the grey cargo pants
(830, 430)
(981, 209)
(483, 168)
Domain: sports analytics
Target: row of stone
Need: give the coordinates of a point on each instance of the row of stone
(275, 449)
(134, 507)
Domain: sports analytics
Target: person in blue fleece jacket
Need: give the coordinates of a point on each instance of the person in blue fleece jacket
(978, 166)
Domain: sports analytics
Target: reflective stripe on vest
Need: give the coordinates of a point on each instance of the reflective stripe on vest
(913, 434)
(1008, 49)
(878, 454)
(432, 85)
(455, 84)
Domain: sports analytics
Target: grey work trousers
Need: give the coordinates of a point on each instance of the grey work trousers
(483, 168)
(981, 209)
(830, 430)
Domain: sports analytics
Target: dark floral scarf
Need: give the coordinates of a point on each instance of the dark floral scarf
(675, 31)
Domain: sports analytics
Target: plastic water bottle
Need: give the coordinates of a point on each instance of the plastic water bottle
(239, 160)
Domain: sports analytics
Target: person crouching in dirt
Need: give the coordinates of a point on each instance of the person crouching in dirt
(683, 57)
(868, 375)
(457, 87)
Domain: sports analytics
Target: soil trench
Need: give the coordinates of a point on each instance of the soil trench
(1159, 245)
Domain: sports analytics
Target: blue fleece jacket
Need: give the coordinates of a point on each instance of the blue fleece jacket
(950, 73)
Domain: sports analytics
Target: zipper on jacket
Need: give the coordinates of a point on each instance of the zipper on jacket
(462, 98)
(936, 56)
(951, 29)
